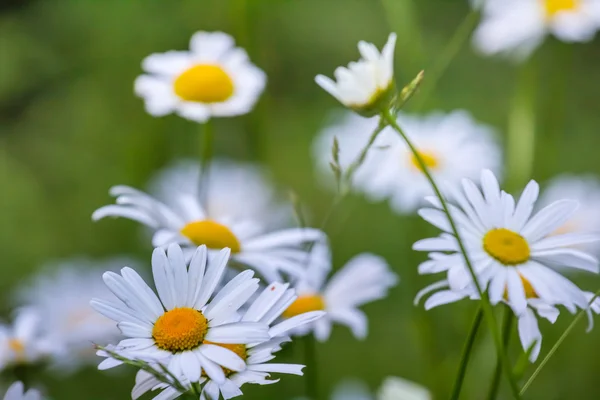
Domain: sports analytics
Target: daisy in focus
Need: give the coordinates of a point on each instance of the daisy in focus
(62, 297)
(365, 278)
(213, 79)
(24, 341)
(267, 307)
(390, 171)
(178, 328)
(517, 27)
(16, 391)
(513, 251)
(584, 189)
(181, 218)
(367, 84)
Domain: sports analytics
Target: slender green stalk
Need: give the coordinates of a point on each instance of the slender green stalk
(466, 355)
(506, 331)
(437, 70)
(206, 156)
(402, 18)
(310, 359)
(487, 307)
(557, 345)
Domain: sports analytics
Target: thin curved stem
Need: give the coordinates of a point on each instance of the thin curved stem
(310, 359)
(485, 301)
(506, 331)
(466, 355)
(206, 156)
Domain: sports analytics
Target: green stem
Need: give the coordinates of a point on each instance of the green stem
(466, 355)
(485, 301)
(206, 156)
(557, 345)
(310, 359)
(506, 331)
(402, 18)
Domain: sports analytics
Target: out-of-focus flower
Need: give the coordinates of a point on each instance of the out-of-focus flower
(178, 328)
(365, 278)
(390, 171)
(511, 250)
(24, 341)
(367, 84)
(392, 388)
(267, 307)
(62, 297)
(517, 27)
(213, 79)
(584, 189)
(16, 391)
(182, 219)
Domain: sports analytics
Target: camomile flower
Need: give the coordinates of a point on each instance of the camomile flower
(584, 189)
(16, 391)
(178, 328)
(213, 79)
(62, 296)
(365, 278)
(267, 307)
(517, 27)
(24, 342)
(390, 170)
(513, 251)
(181, 218)
(365, 85)
(392, 388)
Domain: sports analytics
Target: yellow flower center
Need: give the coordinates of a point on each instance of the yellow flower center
(211, 234)
(553, 7)
(180, 329)
(204, 83)
(429, 159)
(303, 304)
(239, 349)
(506, 246)
(530, 292)
(18, 348)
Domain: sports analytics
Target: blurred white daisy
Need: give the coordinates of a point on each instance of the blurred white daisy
(237, 191)
(390, 170)
(213, 79)
(367, 83)
(392, 388)
(365, 278)
(267, 307)
(174, 328)
(16, 391)
(517, 27)
(512, 250)
(62, 295)
(181, 218)
(24, 341)
(584, 189)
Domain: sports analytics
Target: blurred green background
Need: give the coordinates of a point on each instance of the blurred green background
(71, 127)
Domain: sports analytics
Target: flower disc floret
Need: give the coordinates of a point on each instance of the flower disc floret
(180, 329)
(506, 246)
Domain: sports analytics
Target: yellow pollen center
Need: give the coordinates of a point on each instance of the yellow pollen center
(239, 349)
(554, 7)
(211, 234)
(303, 304)
(506, 246)
(204, 83)
(429, 159)
(18, 348)
(180, 329)
(530, 292)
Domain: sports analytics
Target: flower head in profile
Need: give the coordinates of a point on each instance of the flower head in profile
(213, 79)
(365, 278)
(517, 27)
(390, 170)
(179, 327)
(367, 84)
(17, 391)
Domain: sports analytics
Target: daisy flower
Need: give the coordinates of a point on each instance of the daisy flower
(365, 278)
(511, 249)
(24, 342)
(584, 189)
(213, 79)
(181, 218)
(267, 307)
(16, 391)
(179, 326)
(517, 27)
(367, 84)
(392, 388)
(390, 170)
(62, 297)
